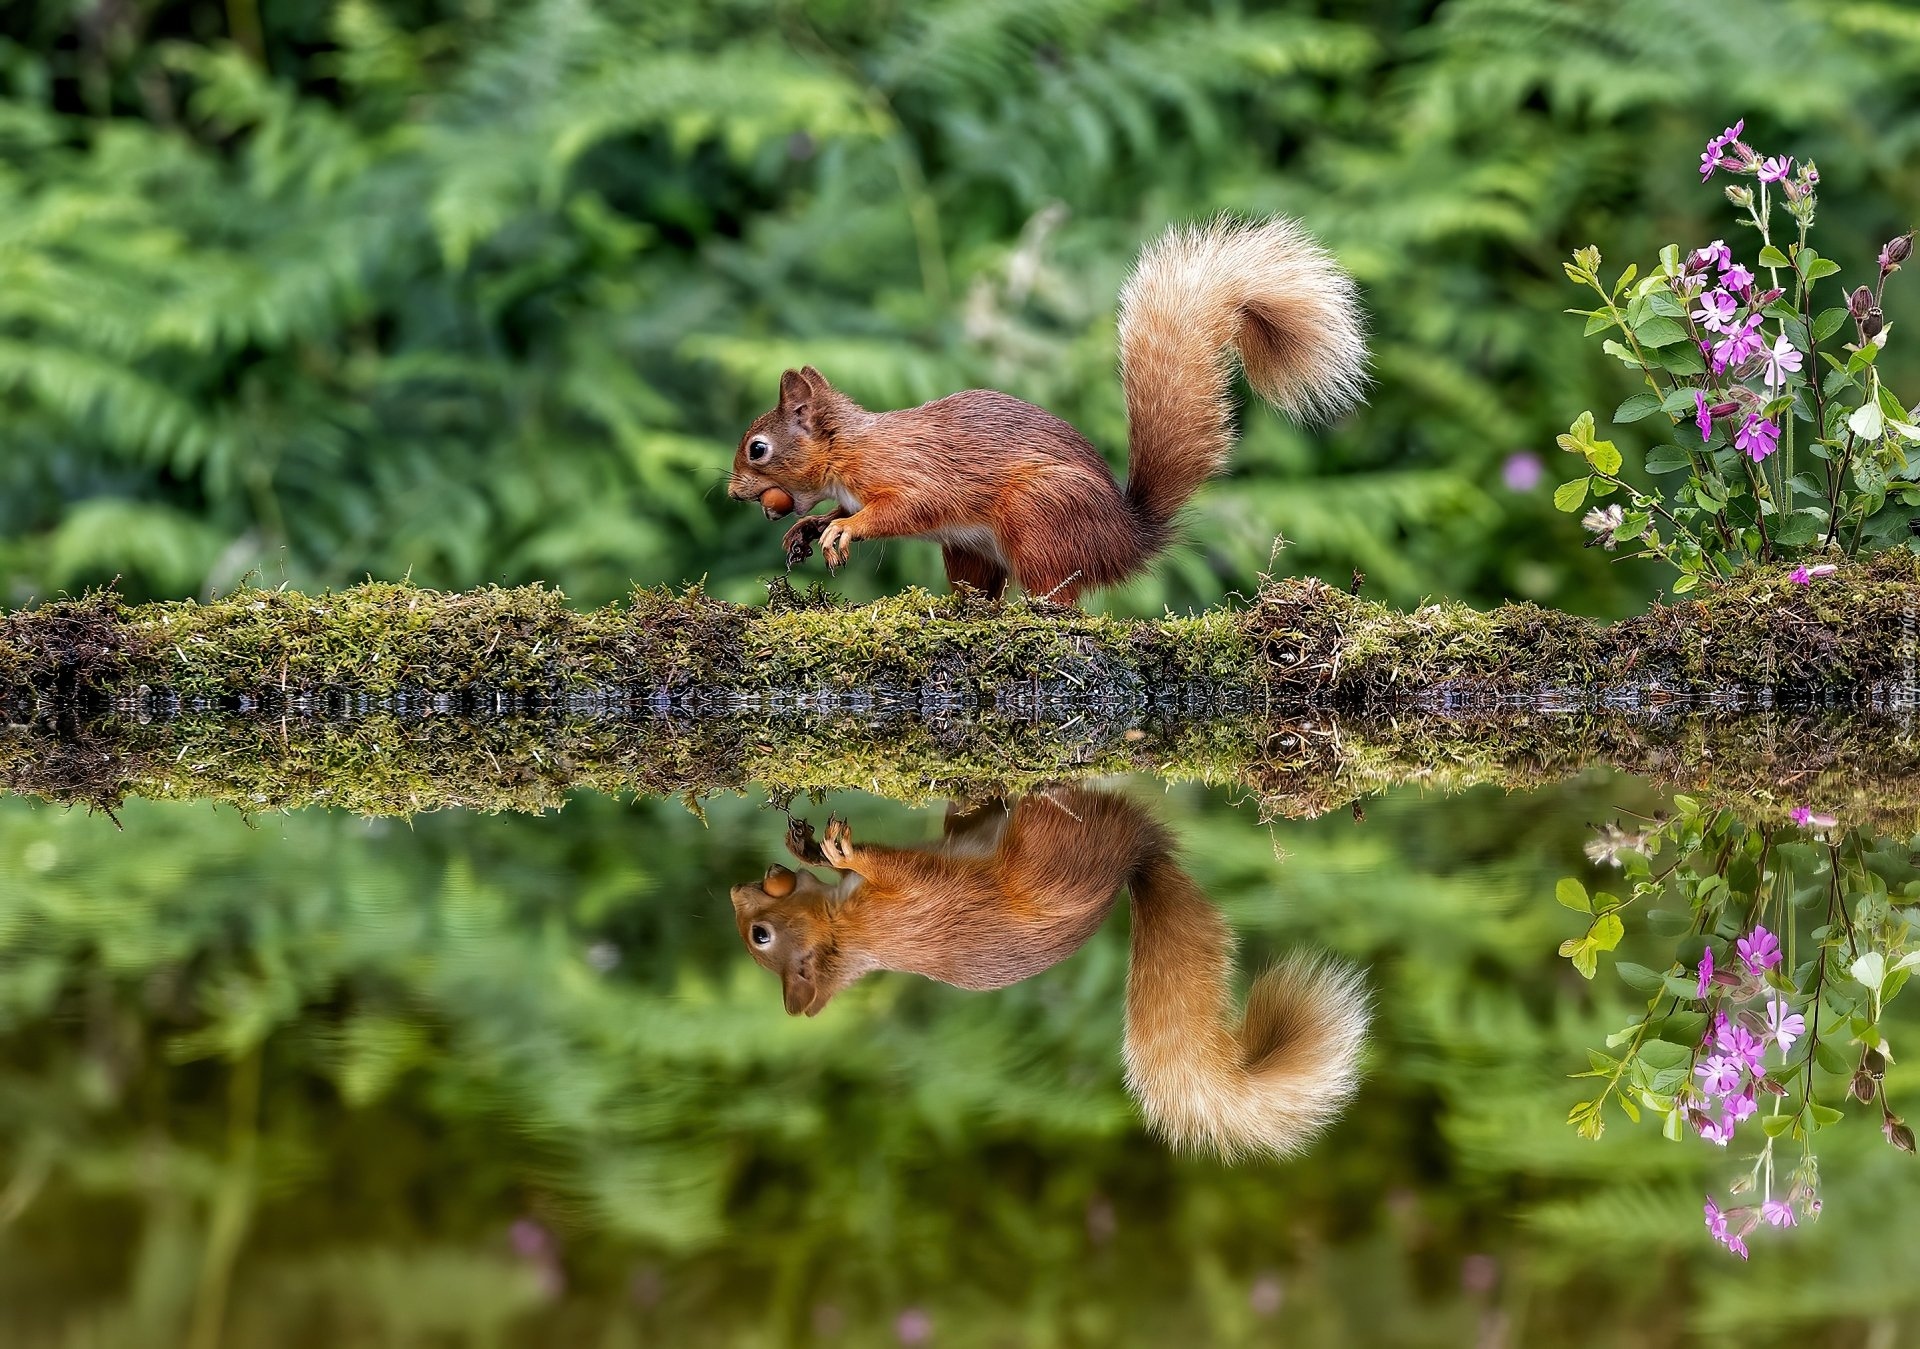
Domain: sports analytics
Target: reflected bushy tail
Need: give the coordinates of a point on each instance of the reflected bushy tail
(1267, 1084)
(1200, 295)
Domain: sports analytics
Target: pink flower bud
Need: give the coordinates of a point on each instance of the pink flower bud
(1860, 302)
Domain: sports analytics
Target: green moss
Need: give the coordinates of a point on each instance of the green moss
(1299, 643)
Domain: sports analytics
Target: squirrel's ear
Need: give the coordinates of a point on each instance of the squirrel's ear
(816, 380)
(793, 390)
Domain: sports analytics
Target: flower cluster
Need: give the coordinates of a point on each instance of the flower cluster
(1731, 1227)
(1729, 344)
(1760, 1044)
(1735, 1073)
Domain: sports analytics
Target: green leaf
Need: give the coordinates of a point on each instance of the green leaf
(1636, 407)
(1667, 459)
(1641, 979)
(1870, 970)
(1661, 1054)
(1773, 257)
(1829, 322)
(1823, 1115)
(1867, 421)
(1573, 894)
(1774, 1126)
(1821, 268)
(1660, 331)
(1682, 359)
(1663, 302)
(1684, 582)
(1568, 495)
(1604, 457)
(1606, 932)
(1795, 531)
(1598, 321)
(1832, 1060)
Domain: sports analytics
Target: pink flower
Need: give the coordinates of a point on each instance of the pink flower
(1784, 1025)
(1721, 1232)
(1738, 344)
(1783, 360)
(1718, 1132)
(1716, 252)
(1522, 471)
(1806, 575)
(1778, 1212)
(1706, 970)
(1719, 1075)
(1760, 949)
(1737, 1107)
(1716, 310)
(1758, 437)
(1773, 170)
(1735, 277)
(1716, 1221)
(1740, 1045)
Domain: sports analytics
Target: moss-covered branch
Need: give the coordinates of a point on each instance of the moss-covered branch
(1297, 643)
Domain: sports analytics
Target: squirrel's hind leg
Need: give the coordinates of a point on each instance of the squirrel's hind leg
(968, 568)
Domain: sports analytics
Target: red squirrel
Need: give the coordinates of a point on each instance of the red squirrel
(1010, 891)
(1010, 490)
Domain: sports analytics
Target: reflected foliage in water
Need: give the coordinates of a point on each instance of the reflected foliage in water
(1789, 937)
(307, 1079)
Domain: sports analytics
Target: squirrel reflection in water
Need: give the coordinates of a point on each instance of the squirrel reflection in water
(1011, 890)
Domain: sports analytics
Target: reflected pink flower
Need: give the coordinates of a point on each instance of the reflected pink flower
(1719, 1074)
(1807, 575)
(1706, 970)
(1784, 1025)
(1760, 949)
(913, 1326)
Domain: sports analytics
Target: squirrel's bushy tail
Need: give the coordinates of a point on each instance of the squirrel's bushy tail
(1263, 289)
(1266, 1084)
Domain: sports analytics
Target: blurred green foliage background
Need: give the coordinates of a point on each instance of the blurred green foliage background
(477, 290)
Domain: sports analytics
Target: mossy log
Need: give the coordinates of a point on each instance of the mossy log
(1863, 767)
(1295, 644)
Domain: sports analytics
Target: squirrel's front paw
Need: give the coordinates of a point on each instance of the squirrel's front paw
(798, 540)
(802, 844)
(838, 848)
(834, 543)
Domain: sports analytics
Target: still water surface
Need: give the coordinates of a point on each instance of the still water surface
(309, 1079)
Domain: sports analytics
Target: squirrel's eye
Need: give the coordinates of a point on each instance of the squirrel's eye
(762, 934)
(758, 450)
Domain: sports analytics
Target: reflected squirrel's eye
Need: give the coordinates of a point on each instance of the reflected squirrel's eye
(762, 934)
(758, 450)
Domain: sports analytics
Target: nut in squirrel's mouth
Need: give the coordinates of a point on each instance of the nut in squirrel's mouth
(775, 503)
